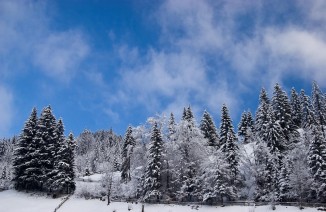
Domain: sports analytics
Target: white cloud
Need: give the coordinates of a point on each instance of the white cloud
(300, 49)
(28, 39)
(6, 110)
(60, 54)
(193, 31)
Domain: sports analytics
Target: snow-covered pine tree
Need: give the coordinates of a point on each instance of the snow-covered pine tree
(307, 114)
(225, 128)
(268, 159)
(242, 126)
(229, 147)
(284, 181)
(71, 162)
(152, 181)
(189, 117)
(25, 156)
(282, 112)
(172, 128)
(296, 109)
(232, 157)
(319, 105)
(61, 178)
(274, 136)
(317, 162)
(216, 179)
(187, 164)
(209, 131)
(127, 150)
(246, 127)
(261, 118)
(299, 178)
(47, 139)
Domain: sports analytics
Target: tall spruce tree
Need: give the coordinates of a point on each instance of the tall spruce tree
(246, 127)
(319, 105)
(127, 150)
(296, 109)
(307, 114)
(282, 111)
(47, 139)
(25, 156)
(261, 118)
(274, 136)
(209, 131)
(172, 128)
(225, 128)
(189, 117)
(229, 144)
(71, 162)
(152, 182)
(317, 162)
(62, 176)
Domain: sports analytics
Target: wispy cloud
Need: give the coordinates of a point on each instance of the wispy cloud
(59, 55)
(29, 40)
(200, 39)
(6, 110)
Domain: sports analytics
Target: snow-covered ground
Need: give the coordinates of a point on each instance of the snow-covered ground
(92, 178)
(14, 201)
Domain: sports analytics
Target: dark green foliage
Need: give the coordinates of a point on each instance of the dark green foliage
(43, 159)
(208, 129)
(25, 162)
(261, 118)
(307, 114)
(152, 181)
(317, 161)
(128, 145)
(246, 127)
(318, 103)
(296, 109)
(282, 111)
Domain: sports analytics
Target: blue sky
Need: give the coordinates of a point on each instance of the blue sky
(103, 64)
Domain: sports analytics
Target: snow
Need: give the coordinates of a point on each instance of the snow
(92, 178)
(14, 201)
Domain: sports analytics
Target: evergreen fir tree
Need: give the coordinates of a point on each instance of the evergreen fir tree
(189, 117)
(47, 141)
(229, 148)
(232, 156)
(319, 105)
(317, 161)
(128, 145)
(225, 128)
(262, 114)
(296, 109)
(208, 129)
(172, 128)
(152, 183)
(25, 162)
(284, 181)
(273, 136)
(282, 111)
(71, 162)
(62, 176)
(246, 127)
(307, 114)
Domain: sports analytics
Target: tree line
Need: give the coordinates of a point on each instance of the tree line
(277, 154)
(43, 157)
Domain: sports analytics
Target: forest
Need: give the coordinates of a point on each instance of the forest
(277, 154)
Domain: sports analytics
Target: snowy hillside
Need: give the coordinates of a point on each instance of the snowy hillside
(14, 201)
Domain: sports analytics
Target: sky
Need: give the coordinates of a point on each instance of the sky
(109, 64)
